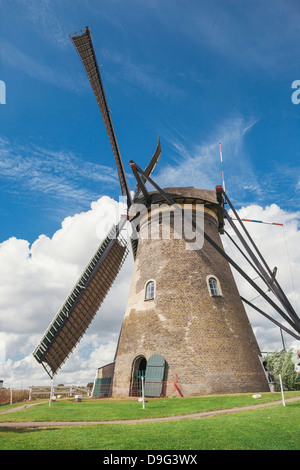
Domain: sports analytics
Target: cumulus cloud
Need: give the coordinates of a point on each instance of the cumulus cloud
(279, 247)
(35, 280)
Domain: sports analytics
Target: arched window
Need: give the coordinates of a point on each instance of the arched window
(213, 285)
(149, 290)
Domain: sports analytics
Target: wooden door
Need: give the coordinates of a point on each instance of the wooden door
(154, 377)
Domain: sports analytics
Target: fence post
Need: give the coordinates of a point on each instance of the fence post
(51, 393)
(283, 402)
(143, 392)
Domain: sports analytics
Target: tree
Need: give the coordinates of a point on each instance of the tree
(283, 362)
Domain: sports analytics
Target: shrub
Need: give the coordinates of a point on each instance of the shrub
(283, 362)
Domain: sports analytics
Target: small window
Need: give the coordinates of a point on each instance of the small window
(149, 290)
(214, 286)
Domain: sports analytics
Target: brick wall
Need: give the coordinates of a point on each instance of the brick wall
(206, 341)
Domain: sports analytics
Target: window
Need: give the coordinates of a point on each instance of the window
(213, 286)
(149, 290)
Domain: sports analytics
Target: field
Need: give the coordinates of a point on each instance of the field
(271, 428)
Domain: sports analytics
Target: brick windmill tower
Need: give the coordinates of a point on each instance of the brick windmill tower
(185, 325)
(184, 315)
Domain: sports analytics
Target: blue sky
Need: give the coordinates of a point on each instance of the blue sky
(193, 73)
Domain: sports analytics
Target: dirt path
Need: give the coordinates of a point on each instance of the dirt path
(47, 424)
(18, 408)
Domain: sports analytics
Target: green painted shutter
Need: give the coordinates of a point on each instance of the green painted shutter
(102, 387)
(154, 377)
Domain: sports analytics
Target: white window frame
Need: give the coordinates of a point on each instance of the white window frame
(219, 290)
(145, 289)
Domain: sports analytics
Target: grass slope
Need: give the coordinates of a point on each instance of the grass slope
(113, 409)
(272, 428)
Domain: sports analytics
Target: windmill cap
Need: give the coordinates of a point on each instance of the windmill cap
(190, 192)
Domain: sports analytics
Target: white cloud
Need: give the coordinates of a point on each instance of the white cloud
(280, 247)
(37, 69)
(44, 18)
(200, 166)
(58, 174)
(141, 76)
(246, 34)
(35, 280)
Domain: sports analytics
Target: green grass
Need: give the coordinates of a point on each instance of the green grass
(274, 428)
(270, 428)
(112, 409)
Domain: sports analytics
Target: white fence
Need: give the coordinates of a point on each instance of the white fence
(56, 390)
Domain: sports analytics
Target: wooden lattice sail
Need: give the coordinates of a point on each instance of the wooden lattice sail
(82, 304)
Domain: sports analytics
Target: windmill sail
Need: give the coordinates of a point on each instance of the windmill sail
(290, 316)
(82, 41)
(82, 304)
(148, 171)
(150, 168)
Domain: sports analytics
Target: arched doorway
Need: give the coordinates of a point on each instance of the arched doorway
(138, 371)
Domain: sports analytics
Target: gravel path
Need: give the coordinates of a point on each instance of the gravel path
(47, 424)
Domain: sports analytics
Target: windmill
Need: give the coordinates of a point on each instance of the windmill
(185, 318)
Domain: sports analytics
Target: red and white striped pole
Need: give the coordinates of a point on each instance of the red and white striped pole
(221, 157)
(260, 222)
